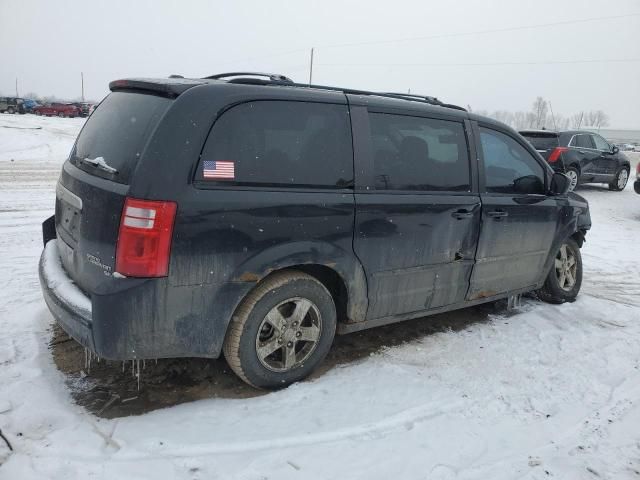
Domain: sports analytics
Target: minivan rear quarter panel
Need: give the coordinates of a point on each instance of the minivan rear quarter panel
(227, 238)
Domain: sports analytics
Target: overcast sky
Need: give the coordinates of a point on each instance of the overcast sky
(375, 45)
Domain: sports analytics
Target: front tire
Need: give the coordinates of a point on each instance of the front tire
(619, 182)
(565, 278)
(281, 331)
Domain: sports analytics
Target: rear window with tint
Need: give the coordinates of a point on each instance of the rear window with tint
(280, 143)
(416, 153)
(541, 141)
(117, 132)
(583, 141)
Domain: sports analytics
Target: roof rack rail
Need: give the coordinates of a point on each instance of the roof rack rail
(412, 96)
(426, 98)
(274, 77)
(278, 79)
(399, 96)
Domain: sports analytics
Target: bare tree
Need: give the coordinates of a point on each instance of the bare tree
(603, 119)
(519, 120)
(576, 120)
(540, 109)
(596, 118)
(539, 117)
(503, 116)
(562, 123)
(530, 119)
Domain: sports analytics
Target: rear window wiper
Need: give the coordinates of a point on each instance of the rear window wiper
(100, 163)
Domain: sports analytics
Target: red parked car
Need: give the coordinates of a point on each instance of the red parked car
(59, 109)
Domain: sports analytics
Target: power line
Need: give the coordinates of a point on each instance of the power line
(445, 35)
(487, 64)
(480, 32)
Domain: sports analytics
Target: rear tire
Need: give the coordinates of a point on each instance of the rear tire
(574, 177)
(281, 331)
(619, 182)
(565, 277)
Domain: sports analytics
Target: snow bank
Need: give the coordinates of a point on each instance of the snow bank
(28, 137)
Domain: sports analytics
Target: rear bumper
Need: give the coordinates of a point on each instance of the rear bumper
(71, 308)
(142, 318)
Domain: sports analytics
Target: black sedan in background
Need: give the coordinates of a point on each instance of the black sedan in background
(585, 157)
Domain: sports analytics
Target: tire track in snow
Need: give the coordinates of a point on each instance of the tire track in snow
(404, 420)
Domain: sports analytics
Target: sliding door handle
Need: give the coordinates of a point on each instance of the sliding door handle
(461, 214)
(497, 214)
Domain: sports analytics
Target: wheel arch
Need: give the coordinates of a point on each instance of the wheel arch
(575, 164)
(338, 270)
(570, 229)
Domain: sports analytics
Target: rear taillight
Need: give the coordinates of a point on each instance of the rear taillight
(555, 155)
(638, 170)
(144, 239)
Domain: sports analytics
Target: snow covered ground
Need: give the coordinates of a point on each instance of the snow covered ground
(545, 392)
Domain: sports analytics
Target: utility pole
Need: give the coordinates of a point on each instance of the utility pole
(17, 87)
(82, 82)
(311, 68)
(580, 122)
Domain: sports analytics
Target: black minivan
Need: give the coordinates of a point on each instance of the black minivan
(258, 217)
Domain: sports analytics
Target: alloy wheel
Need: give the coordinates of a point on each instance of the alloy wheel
(573, 179)
(622, 179)
(566, 268)
(288, 334)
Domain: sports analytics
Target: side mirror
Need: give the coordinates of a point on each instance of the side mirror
(528, 185)
(614, 150)
(560, 184)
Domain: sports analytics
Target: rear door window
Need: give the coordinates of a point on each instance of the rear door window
(117, 132)
(280, 143)
(416, 153)
(583, 141)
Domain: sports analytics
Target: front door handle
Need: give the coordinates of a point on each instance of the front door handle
(497, 214)
(461, 214)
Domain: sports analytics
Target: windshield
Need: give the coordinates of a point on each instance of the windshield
(116, 133)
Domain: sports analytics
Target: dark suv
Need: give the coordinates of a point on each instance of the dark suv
(584, 157)
(257, 217)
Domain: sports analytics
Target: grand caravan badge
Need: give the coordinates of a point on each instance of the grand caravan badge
(106, 269)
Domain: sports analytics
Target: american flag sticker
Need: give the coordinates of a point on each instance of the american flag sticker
(218, 170)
